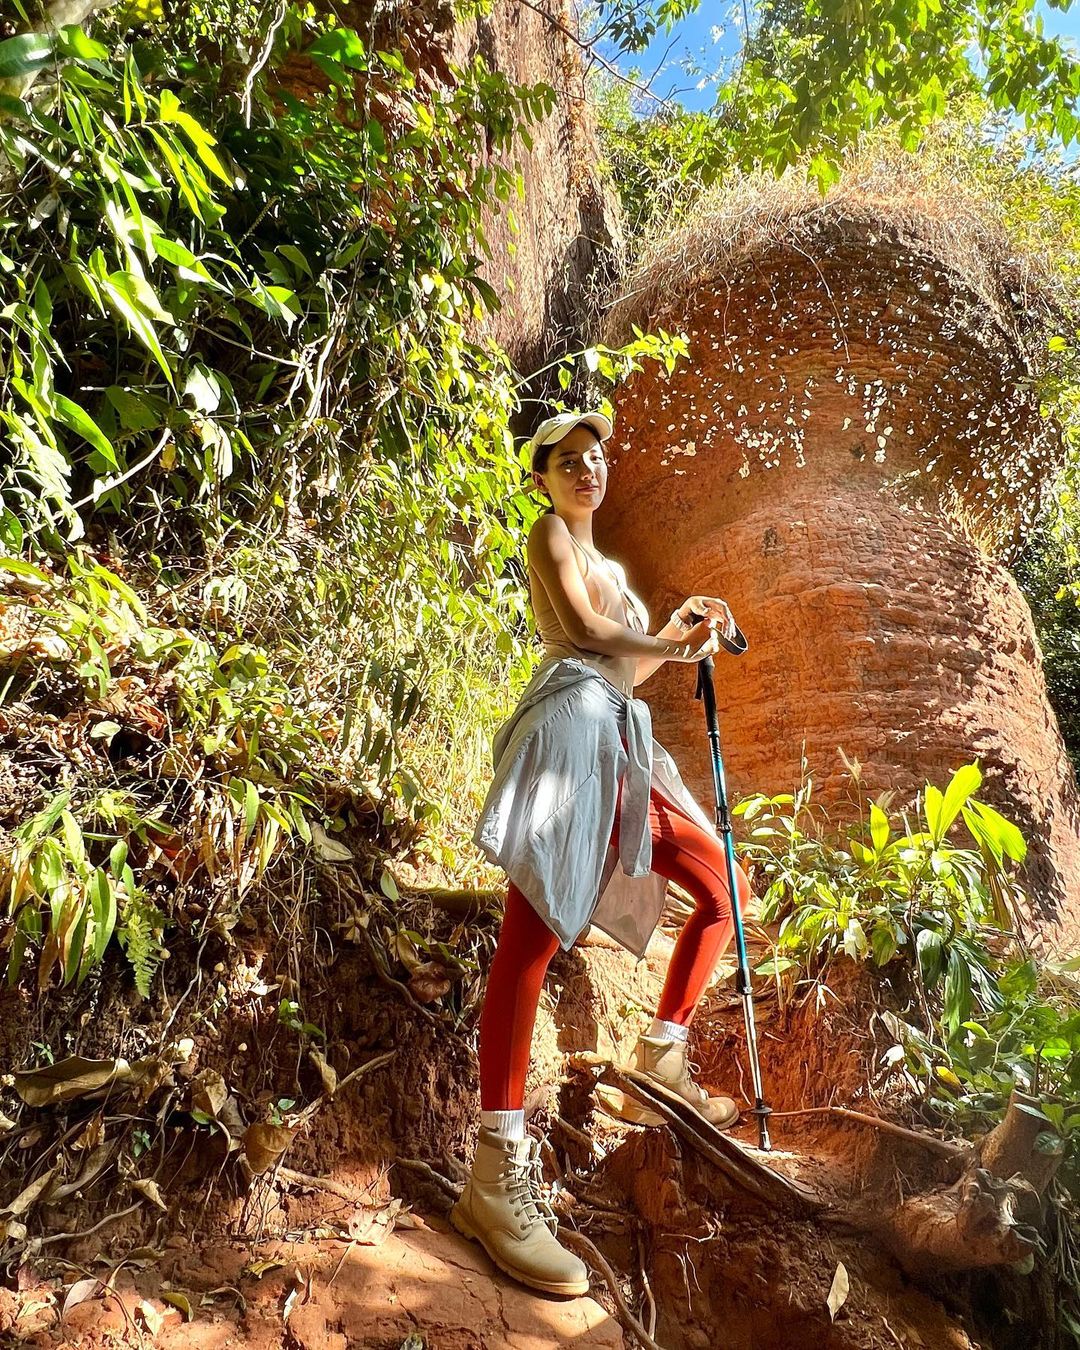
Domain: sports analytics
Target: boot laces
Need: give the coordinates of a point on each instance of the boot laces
(684, 1083)
(686, 1080)
(526, 1190)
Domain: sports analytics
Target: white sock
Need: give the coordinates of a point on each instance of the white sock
(667, 1031)
(506, 1124)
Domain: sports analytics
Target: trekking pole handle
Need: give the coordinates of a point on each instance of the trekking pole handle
(734, 646)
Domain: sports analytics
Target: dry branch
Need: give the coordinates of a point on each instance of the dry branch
(738, 1163)
(590, 1254)
(945, 1148)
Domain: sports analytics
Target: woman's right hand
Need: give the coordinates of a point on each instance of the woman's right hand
(701, 641)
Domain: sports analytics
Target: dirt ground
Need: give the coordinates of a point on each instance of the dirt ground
(346, 1243)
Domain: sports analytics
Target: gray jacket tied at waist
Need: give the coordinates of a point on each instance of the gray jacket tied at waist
(549, 813)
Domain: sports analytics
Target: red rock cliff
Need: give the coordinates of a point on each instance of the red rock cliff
(850, 453)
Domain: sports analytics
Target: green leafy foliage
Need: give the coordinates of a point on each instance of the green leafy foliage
(70, 889)
(983, 1020)
(252, 358)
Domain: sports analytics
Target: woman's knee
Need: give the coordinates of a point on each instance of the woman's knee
(714, 899)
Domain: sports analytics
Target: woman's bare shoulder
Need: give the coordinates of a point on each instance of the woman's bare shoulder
(548, 530)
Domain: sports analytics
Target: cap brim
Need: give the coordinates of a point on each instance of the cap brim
(559, 428)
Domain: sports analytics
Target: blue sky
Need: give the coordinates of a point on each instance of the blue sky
(715, 33)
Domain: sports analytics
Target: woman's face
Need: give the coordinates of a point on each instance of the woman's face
(575, 477)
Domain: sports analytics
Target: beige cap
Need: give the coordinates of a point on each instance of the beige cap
(555, 428)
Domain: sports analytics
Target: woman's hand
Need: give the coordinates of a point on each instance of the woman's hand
(701, 641)
(709, 607)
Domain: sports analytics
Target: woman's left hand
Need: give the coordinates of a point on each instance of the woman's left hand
(710, 608)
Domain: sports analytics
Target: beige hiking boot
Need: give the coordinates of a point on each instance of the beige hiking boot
(502, 1210)
(665, 1062)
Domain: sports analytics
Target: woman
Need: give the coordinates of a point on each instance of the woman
(576, 765)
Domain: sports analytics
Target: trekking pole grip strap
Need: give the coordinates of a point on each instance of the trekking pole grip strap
(735, 646)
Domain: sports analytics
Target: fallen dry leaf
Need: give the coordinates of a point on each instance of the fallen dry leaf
(407, 1219)
(264, 1145)
(30, 1309)
(839, 1291)
(404, 949)
(209, 1092)
(79, 1292)
(326, 1073)
(150, 1316)
(92, 1135)
(142, 1257)
(26, 1197)
(69, 1079)
(95, 1162)
(152, 1191)
(372, 1224)
(260, 1268)
(328, 848)
(301, 1284)
(207, 1300)
(175, 1299)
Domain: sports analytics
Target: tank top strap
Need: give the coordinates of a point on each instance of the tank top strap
(584, 553)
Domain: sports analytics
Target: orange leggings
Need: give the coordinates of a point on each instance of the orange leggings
(684, 853)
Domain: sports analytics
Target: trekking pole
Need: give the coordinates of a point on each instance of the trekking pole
(706, 692)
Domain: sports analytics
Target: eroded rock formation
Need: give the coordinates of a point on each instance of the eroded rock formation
(549, 251)
(849, 456)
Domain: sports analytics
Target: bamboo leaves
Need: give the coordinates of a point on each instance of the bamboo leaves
(24, 55)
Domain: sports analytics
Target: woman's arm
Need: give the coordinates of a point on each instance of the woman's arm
(551, 554)
(648, 665)
(715, 610)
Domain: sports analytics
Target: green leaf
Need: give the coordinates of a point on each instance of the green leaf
(203, 142)
(73, 838)
(78, 941)
(251, 807)
(44, 821)
(1020, 982)
(12, 535)
(80, 421)
(942, 811)
(957, 991)
(297, 259)
(75, 43)
(118, 856)
(25, 54)
(1002, 831)
(17, 567)
(134, 412)
(103, 904)
(930, 953)
(202, 387)
(883, 943)
(47, 869)
(822, 170)
(119, 291)
(932, 802)
(186, 175)
(342, 46)
(879, 827)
